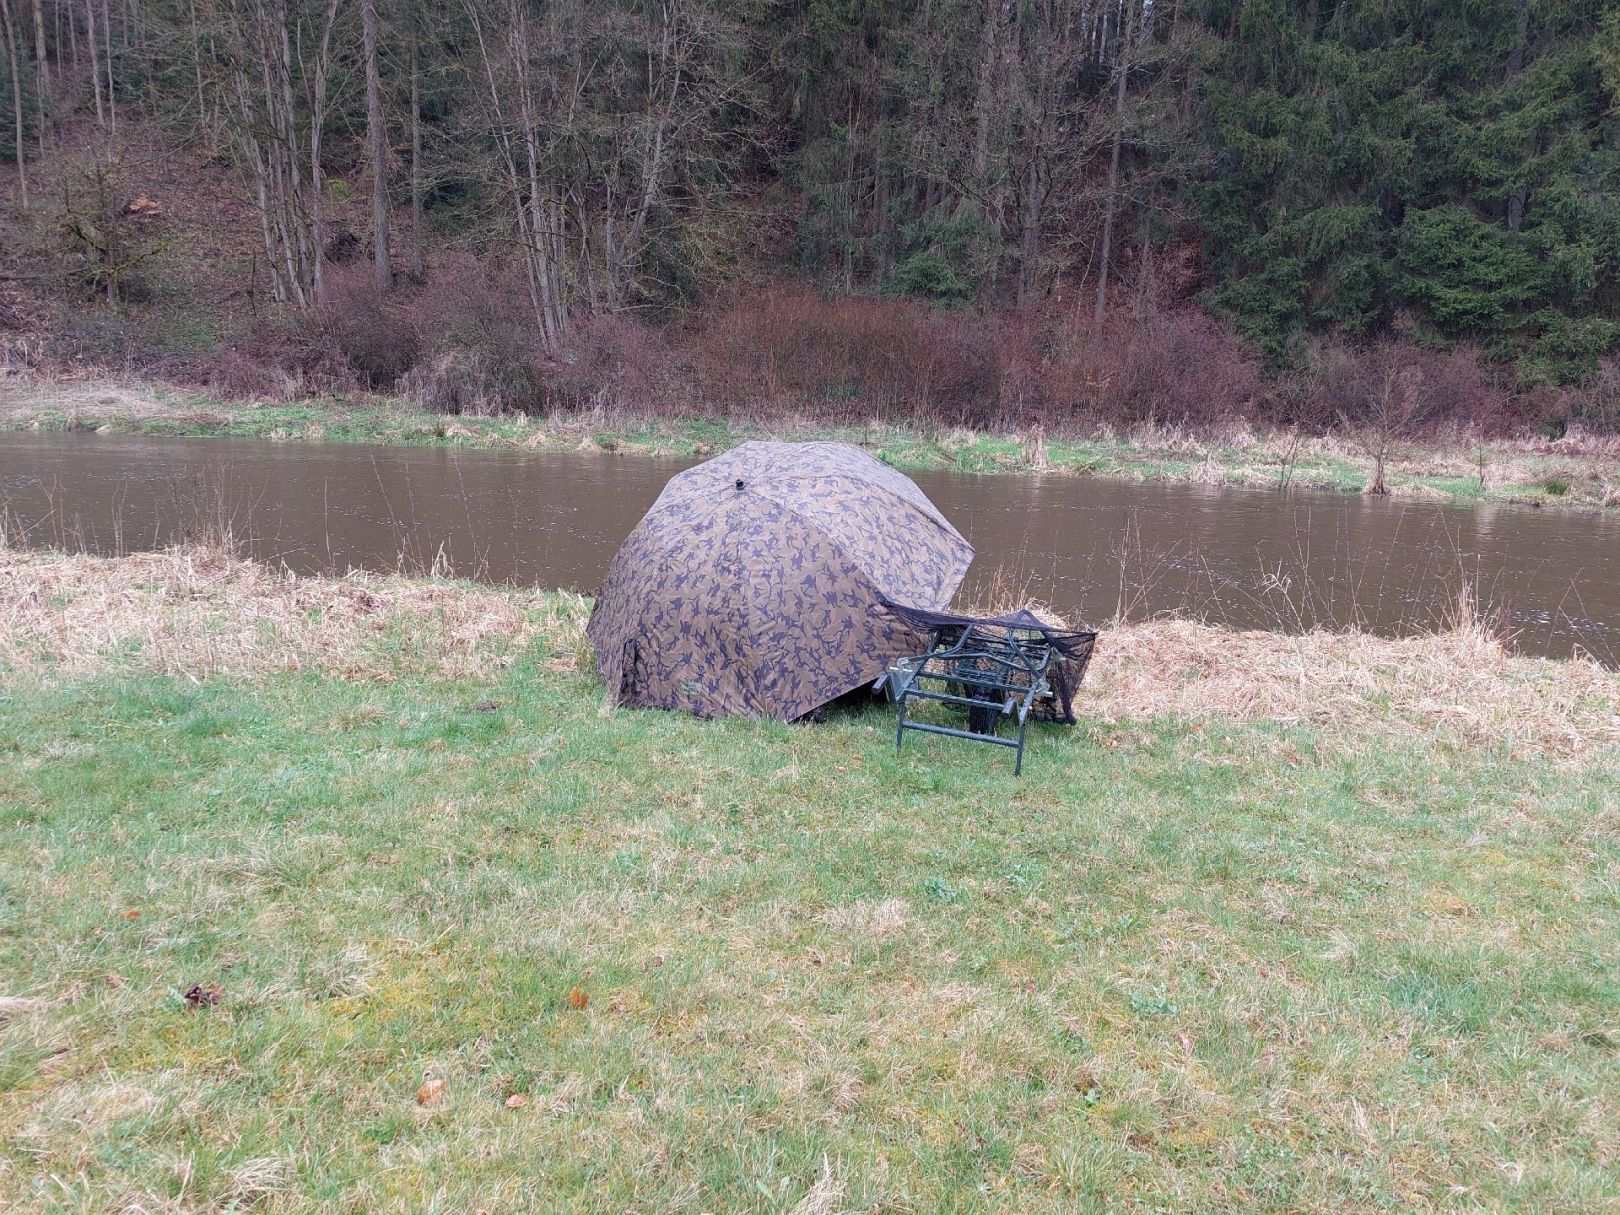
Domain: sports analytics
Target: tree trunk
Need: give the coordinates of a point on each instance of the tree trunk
(416, 159)
(1515, 208)
(317, 128)
(106, 33)
(138, 31)
(282, 154)
(43, 67)
(196, 66)
(525, 212)
(95, 59)
(988, 93)
(16, 100)
(1110, 202)
(381, 271)
(1032, 233)
(1144, 273)
(851, 220)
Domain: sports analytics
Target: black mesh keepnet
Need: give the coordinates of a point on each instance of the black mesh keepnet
(1072, 648)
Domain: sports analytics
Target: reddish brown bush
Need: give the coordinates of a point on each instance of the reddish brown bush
(481, 352)
(848, 359)
(467, 381)
(270, 361)
(1452, 389)
(465, 342)
(372, 333)
(1168, 366)
(615, 361)
(852, 359)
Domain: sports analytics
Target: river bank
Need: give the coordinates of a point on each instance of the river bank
(1306, 923)
(1573, 472)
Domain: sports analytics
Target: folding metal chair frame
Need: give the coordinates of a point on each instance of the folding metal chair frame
(979, 659)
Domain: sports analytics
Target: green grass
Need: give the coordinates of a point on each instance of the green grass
(1537, 478)
(1175, 967)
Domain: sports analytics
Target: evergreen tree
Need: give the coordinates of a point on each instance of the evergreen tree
(1446, 170)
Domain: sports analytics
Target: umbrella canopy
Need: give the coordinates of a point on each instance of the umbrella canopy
(753, 586)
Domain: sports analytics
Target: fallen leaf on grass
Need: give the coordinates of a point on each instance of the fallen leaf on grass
(430, 1092)
(578, 998)
(516, 1101)
(1452, 905)
(201, 996)
(132, 914)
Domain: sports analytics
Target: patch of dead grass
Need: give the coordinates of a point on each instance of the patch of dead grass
(78, 395)
(199, 612)
(1462, 683)
(196, 612)
(878, 921)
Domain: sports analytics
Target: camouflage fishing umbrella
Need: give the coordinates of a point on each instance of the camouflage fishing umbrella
(752, 586)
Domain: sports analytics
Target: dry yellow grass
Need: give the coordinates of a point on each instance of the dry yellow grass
(1461, 683)
(197, 612)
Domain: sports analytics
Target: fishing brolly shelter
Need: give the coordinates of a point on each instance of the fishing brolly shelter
(755, 584)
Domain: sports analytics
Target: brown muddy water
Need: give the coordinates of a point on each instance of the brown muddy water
(1092, 548)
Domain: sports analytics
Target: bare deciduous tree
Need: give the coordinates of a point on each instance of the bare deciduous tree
(1385, 403)
(16, 98)
(95, 59)
(42, 73)
(416, 147)
(104, 240)
(278, 111)
(1122, 73)
(602, 122)
(377, 136)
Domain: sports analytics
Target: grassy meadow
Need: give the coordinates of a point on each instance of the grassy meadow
(1285, 925)
(1580, 472)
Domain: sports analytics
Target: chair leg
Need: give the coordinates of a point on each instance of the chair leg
(900, 726)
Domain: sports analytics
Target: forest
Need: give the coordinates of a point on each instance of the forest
(979, 212)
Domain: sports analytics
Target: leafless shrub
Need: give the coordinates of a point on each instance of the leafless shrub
(1599, 404)
(617, 359)
(1380, 397)
(849, 359)
(471, 381)
(1293, 445)
(483, 355)
(1170, 366)
(357, 324)
(271, 361)
(107, 232)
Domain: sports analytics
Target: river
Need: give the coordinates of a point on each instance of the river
(1091, 548)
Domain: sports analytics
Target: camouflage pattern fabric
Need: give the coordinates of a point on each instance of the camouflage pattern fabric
(754, 586)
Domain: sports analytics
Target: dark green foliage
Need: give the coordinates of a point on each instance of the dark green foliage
(1467, 277)
(1447, 169)
(928, 274)
(30, 112)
